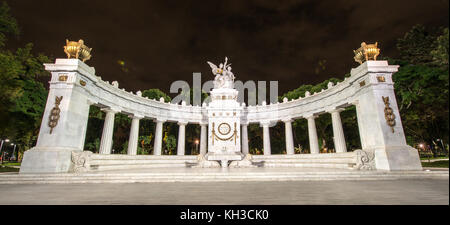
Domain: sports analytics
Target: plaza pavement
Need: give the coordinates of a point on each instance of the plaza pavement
(385, 192)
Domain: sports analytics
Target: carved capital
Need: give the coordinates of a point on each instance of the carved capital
(110, 110)
(159, 120)
(311, 116)
(334, 110)
(136, 116)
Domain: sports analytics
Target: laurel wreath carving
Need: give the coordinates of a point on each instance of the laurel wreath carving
(54, 114)
(216, 137)
(389, 113)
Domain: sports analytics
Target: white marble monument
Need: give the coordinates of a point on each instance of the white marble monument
(224, 112)
(74, 87)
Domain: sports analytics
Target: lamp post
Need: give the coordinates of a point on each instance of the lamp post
(196, 145)
(422, 146)
(1, 147)
(443, 147)
(13, 156)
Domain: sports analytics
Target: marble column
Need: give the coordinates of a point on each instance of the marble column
(266, 138)
(181, 138)
(158, 137)
(134, 135)
(245, 139)
(289, 137)
(312, 132)
(203, 139)
(360, 127)
(108, 128)
(338, 132)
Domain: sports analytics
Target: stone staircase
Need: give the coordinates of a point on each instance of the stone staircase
(216, 175)
(120, 162)
(328, 160)
(173, 168)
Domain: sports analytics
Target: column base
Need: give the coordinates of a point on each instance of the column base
(397, 158)
(47, 160)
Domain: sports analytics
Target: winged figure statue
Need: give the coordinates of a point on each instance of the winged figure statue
(224, 76)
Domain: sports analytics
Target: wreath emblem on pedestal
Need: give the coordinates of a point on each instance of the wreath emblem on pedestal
(224, 129)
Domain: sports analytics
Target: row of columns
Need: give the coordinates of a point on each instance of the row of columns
(338, 135)
(108, 127)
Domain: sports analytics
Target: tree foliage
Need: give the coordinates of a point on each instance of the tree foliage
(440, 53)
(421, 86)
(23, 96)
(416, 45)
(156, 94)
(8, 24)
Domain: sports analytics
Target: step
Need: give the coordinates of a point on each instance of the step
(326, 160)
(145, 157)
(214, 177)
(307, 156)
(311, 165)
(128, 162)
(137, 166)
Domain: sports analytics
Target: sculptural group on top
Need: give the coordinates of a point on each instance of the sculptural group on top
(224, 77)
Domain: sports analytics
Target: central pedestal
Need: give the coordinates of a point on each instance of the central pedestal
(224, 126)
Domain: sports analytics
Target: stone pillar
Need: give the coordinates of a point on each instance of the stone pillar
(338, 132)
(245, 139)
(54, 146)
(134, 135)
(107, 135)
(312, 132)
(383, 138)
(203, 139)
(358, 120)
(181, 138)
(158, 137)
(289, 137)
(266, 138)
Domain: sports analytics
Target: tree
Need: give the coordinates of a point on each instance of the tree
(440, 53)
(8, 24)
(23, 96)
(170, 143)
(145, 147)
(416, 44)
(421, 85)
(422, 95)
(156, 94)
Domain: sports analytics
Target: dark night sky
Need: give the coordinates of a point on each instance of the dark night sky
(164, 41)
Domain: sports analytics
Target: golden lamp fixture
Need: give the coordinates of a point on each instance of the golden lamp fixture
(366, 52)
(77, 50)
